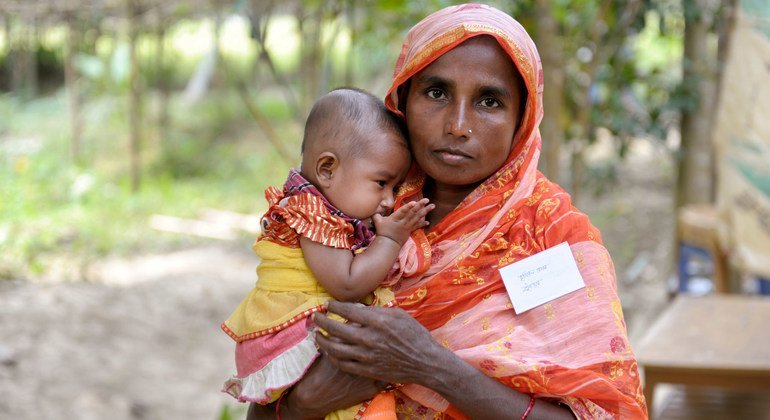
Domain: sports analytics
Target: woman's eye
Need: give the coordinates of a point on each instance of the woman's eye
(490, 103)
(435, 94)
(382, 183)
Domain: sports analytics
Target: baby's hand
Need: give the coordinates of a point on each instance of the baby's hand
(403, 221)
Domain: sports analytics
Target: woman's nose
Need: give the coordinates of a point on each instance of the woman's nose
(457, 123)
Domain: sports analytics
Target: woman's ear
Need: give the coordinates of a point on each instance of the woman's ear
(325, 167)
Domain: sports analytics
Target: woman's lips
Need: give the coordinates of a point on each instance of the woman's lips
(450, 156)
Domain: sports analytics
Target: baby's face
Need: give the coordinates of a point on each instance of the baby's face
(366, 185)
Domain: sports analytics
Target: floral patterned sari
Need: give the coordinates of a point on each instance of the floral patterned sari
(573, 349)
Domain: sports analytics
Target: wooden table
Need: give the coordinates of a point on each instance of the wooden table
(716, 340)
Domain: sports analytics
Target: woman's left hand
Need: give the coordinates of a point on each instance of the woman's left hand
(381, 343)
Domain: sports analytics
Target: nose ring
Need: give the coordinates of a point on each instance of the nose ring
(470, 131)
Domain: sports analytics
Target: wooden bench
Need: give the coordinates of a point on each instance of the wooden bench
(685, 402)
(716, 340)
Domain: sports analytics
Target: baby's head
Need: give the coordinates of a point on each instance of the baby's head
(355, 152)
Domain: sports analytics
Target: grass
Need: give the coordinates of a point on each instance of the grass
(51, 208)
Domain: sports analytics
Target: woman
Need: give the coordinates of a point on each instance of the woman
(469, 84)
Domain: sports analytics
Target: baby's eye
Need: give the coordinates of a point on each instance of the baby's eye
(435, 93)
(490, 103)
(381, 183)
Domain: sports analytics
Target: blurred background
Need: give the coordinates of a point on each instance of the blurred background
(137, 138)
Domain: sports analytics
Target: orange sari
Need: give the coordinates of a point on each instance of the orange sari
(573, 349)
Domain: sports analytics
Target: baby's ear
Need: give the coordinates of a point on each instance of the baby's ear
(325, 168)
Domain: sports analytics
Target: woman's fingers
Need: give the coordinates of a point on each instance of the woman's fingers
(355, 312)
(348, 358)
(336, 329)
(338, 350)
(381, 343)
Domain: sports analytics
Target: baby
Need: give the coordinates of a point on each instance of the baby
(317, 243)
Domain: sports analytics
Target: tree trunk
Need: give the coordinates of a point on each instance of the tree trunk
(5, 32)
(350, 6)
(553, 79)
(694, 183)
(163, 84)
(261, 14)
(32, 71)
(310, 28)
(583, 117)
(726, 26)
(22, 60)
(134, 99)
(73, 90)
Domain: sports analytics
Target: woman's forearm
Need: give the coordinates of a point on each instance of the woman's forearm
(288, 408)
(480, 396)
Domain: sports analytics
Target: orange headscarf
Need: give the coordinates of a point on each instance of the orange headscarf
(573, 349)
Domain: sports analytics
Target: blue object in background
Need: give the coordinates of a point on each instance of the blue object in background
(696, 270)
(764, 286)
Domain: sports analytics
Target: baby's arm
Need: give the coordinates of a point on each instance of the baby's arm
(350, 277)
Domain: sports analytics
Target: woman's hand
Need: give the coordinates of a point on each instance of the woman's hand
(322, 390)
(381, 343)
(389, 345)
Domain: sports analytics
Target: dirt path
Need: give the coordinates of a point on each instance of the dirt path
(140, 342)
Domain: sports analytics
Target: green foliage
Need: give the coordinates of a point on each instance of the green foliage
(50, 208)
(622, 63)
(229, 413)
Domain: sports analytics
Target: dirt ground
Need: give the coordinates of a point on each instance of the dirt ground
(140, 338)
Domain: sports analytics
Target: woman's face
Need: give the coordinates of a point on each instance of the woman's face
(462, 112)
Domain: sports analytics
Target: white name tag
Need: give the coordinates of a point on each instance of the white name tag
(541, 278)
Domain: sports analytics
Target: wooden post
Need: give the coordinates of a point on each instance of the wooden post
(134, 98)
(73, 89)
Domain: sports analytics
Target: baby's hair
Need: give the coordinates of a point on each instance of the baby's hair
(345, 114)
